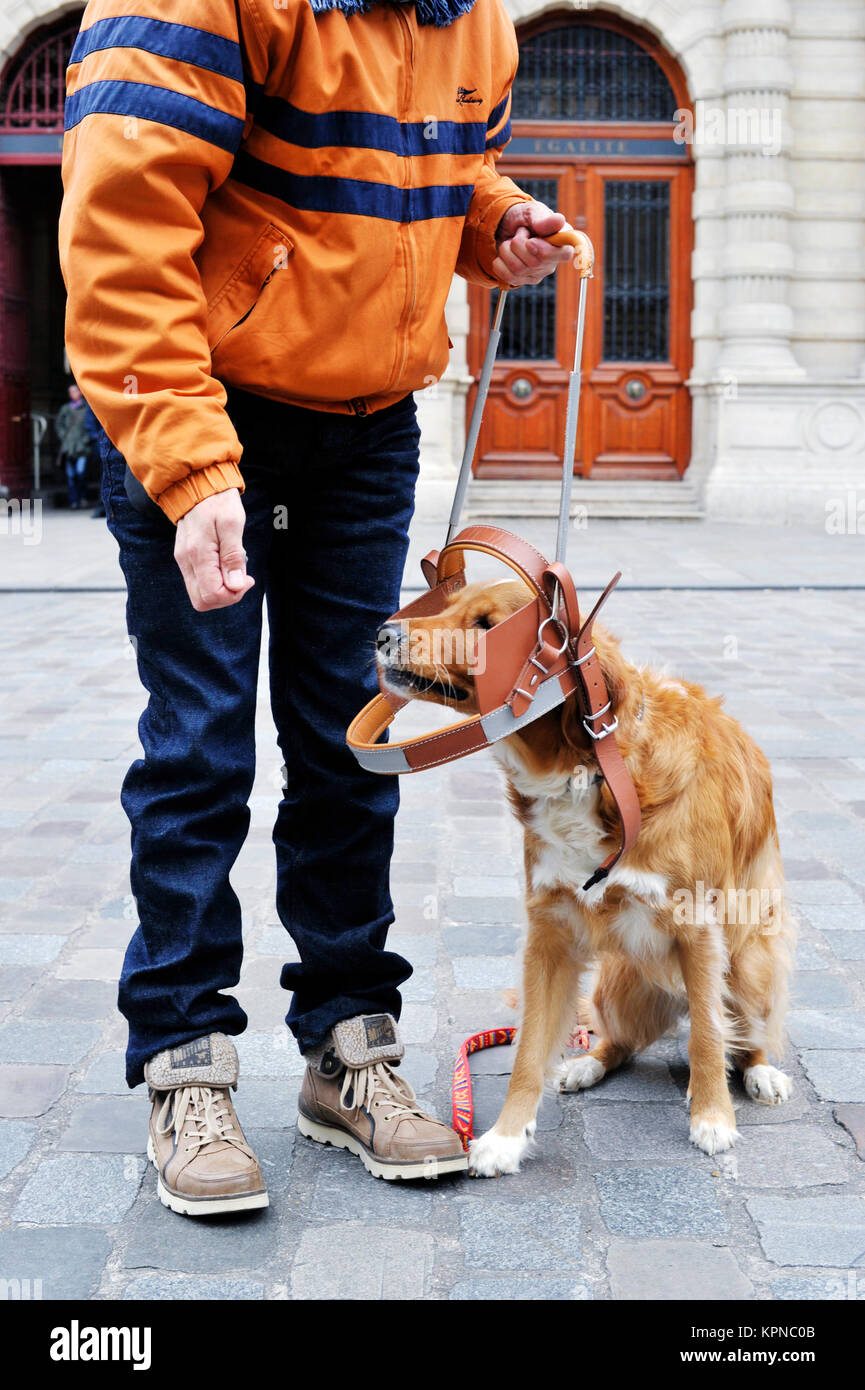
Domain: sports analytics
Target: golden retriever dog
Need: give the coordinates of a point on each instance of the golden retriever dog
(691, 920)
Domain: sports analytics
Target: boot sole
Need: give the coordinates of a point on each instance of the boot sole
(389, 1171)
(203, 1206)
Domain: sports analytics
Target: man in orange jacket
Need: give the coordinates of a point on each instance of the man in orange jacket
(264, 206)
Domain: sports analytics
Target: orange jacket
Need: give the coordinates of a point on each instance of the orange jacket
(277, 199)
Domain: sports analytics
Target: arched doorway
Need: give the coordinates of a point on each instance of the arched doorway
(32, 297)
(594, 106)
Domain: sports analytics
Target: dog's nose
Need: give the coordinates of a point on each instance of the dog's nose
(388, 643)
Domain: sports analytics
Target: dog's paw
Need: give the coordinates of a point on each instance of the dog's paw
(578, 1073)
(494, 1154)
(768, 1085)
(713, 1132)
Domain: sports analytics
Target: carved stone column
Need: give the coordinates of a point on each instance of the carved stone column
(756, 320)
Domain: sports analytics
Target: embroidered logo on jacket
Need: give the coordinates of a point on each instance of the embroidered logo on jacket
(466, 96)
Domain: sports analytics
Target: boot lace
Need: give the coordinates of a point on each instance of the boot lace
(200, 1117)
(376, 1086)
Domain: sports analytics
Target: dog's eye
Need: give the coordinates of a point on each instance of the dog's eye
(482, 621)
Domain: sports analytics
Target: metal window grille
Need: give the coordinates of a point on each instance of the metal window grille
(530, 318)
(637, 270)
(34, 89)
(581, 72)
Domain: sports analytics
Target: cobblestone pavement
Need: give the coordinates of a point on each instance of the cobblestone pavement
(616, 1203)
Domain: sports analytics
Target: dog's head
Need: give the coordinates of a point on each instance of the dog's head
(437, 658)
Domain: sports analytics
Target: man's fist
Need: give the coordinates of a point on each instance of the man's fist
(209, 550)
(524, 257)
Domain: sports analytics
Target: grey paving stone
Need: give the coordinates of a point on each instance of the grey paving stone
(488, 1095)
(512, 1234)
(356, 1261)
(820, 1028)
(812, 1231)
(420, 949)
(846, 945)
(420, 988)
(510, 911)
(520, 1290)
(80, 1189)
(481, 941)
(274, 1149)
(106, 1075)
(643, 1079)
(16, 980)
(28, 1090)
(485, 972)
(662, 1270)
(486, 886)
(20, 949)
(46, 1043)
(808, 957)
(153, 1288)
(835, 1075)
(418, 1023)
(16, 1136)
(67, 1261)
(834, 917)
(493, 1061)
(246, 1241)
(634, 1132)
(657, 1201)
(419, 1067)
(820, 989)
(823, 892)
(842, 1286)
(74, 999)
(267, 1103)
(852, 1118)
(344, 1192)
(789, 1156)
(269, 1054)
(110, 1124)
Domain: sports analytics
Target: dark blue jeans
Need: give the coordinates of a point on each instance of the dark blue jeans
(328, 501)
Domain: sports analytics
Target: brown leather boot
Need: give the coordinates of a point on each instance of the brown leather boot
(205, 1165)
(352, 1097)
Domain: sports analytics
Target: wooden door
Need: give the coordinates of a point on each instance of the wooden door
(594, 136)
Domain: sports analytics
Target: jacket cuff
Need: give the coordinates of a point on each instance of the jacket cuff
(485, 233)
(186, 493)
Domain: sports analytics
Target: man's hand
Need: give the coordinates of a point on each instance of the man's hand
(524, 258)
(209, 550)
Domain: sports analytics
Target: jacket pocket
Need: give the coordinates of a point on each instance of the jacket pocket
(237, 298)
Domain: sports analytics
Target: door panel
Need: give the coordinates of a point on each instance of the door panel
(635, 407)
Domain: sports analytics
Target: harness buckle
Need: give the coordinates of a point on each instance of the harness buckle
(553, 619)
(605, 728)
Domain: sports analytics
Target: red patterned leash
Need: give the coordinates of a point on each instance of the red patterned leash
(463, 1108)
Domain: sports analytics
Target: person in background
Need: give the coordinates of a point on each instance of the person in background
(75, 445)
(94, 429)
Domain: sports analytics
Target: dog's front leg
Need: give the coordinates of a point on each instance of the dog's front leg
(702, 956)
(551, 971)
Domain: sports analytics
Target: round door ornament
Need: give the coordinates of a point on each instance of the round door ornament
(521, 388)
(635, 389)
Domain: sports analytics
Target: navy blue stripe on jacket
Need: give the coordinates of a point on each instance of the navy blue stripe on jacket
(497, 113)
(151, 103)
(362, 198)
(501, 137)
(369, 130)
(189, 45)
